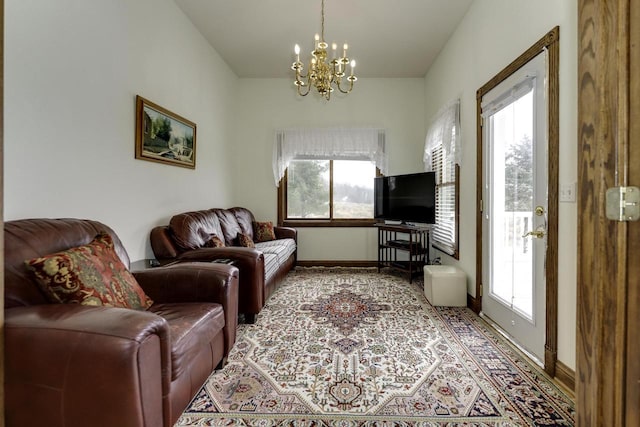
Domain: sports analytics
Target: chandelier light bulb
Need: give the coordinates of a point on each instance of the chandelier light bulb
(296, 49)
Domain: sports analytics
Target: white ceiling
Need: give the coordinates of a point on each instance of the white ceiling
(387, 38)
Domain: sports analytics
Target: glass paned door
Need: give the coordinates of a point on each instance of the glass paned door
(515, 205)
(512, 205)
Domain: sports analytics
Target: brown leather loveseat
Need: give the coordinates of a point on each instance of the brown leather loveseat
(69, 364)
(189, 237)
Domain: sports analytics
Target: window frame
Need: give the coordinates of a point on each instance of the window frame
(283, 221)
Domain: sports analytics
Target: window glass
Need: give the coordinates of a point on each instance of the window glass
(353, 189)
(336, 191)
(308, 189)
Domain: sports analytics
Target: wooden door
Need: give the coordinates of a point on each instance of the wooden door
(608, 298)
(2, 212)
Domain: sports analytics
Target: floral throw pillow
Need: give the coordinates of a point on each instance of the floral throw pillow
(92, 274)
(263, 231)
(214, 242)
(244, 240)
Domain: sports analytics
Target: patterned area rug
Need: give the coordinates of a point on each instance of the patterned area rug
(352, 347)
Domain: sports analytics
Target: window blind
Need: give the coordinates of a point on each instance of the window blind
(444, 231)
(441, 156)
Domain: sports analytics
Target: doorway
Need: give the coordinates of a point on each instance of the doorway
(517, 197)
(515, 205)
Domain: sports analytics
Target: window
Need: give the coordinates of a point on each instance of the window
(445, 232)
(328, 192)
(325, 176)
(442, 155)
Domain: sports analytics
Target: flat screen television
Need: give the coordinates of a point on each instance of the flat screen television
(407, 198)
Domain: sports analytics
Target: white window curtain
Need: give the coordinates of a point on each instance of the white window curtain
(333, 144)
(442, 151)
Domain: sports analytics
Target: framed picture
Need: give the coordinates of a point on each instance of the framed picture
(163, 136)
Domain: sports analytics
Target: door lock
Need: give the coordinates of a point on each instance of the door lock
(538, 234)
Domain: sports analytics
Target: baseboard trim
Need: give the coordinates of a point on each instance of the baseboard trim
(474, 304)
(566, 376)
(327, 263)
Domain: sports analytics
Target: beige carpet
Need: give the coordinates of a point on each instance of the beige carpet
(351, 347)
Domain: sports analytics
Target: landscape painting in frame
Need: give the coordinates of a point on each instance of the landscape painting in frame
(163, 136)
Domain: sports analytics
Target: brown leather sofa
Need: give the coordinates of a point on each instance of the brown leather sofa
(261, 268)
(75, 365)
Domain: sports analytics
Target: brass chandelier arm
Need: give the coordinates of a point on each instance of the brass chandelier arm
(299, 83)
(305, 93)
(350, 85)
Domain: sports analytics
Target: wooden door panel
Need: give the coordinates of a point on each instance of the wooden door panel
(633, 250)
(608, 297)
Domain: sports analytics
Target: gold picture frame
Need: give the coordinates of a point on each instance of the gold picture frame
(163, 136)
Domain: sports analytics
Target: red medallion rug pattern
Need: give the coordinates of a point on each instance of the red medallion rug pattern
(353, 347)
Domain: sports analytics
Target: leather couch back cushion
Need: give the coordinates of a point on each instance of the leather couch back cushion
(229, 225)
(245, 220)
(192, 230)
(32, 238)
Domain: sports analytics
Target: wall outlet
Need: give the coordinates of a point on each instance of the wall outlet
(568, 192)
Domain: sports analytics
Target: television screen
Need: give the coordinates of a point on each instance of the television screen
(406, 198)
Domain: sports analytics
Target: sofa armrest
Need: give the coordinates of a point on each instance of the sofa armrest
(162, 243)
(196, 282)
(249, 261)
(108, 365)
(286, 233)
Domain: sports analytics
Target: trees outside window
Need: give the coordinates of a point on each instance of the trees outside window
(519, 176)
(332, 192)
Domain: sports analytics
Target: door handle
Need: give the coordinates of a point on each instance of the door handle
(538, 234)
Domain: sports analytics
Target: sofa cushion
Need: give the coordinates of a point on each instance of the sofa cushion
(245, 241)
(214, 242)
(191, 326)
(271, 266)
(191, 230)
(263, 231)
(229, 225)
(245, 220)
(91, 274)
(282, 248)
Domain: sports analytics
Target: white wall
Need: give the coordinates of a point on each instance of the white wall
(492, 35)
(396, 105)
(72, 70)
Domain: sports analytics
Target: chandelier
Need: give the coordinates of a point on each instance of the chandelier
(324, 74)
